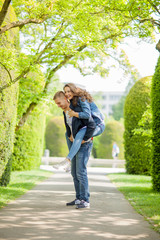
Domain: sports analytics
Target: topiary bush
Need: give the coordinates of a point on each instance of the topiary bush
(55, 137)
(113, 133)
(155, 103)
(8, 97)
(137, 154)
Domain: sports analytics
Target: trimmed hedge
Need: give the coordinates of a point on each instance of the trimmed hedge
(113, 133)
(55, 137)
(155, 103)
(137, 154)
(8, 98)
(28, 147)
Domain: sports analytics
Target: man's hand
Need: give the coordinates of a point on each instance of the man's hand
(83, 141)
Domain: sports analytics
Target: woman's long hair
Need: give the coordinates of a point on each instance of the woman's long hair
(78, 92)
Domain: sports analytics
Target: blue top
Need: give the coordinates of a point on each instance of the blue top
(90, 109)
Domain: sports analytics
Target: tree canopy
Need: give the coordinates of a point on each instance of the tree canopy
(82, 33)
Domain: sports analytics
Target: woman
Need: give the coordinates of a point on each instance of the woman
(81, 98)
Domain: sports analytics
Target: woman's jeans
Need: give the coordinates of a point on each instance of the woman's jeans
(79, 170)
(79, 137)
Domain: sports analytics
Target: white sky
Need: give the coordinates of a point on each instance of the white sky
(142, 55)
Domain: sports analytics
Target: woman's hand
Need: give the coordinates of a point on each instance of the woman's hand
(71, 113)
(71, 138)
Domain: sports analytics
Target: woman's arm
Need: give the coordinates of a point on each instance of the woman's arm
(86, 111)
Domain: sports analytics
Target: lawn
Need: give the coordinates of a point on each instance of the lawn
(20, 183)
(138, 190)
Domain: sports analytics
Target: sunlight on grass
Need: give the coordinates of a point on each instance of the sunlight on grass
(20, 183)
(138, 190)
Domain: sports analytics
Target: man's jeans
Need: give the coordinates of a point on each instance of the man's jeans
(79, 137)
(79, 170)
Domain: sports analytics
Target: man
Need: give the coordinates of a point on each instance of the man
(79, 162)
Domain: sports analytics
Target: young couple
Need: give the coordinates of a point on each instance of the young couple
(83, 121)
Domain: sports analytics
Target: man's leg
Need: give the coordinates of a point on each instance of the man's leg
(81, 170)
(75, 180)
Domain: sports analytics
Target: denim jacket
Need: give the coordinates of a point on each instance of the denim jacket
(77, 124)
(88, 110)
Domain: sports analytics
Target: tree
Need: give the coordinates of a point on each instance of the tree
(76, 32)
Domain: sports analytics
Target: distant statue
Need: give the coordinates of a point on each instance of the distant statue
(115, 150)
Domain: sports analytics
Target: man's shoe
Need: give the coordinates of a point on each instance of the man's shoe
(75, 202)
(83, 204)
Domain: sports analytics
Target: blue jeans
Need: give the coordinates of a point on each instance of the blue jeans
(79, 170)
(79, 137)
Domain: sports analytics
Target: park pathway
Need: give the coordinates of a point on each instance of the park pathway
(41, 213)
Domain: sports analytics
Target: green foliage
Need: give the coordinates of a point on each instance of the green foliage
(113, 133)
(8, 99)
(76, 31)
(6, 174)
(55, 137)
(137, 153)
(144, 127)
(155, 94)
(28, 146)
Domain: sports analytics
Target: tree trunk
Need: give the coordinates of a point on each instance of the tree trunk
(4, 10)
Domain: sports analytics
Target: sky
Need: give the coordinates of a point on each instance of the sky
(142, 55)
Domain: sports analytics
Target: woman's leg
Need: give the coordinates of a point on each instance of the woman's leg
(79, 137)
(76, 143)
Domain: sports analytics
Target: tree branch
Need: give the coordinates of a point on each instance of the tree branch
(15, 80)
(4, 10)
(64, 61)
(154, 6)
(20, 24)
(26, 115)
(7, 71)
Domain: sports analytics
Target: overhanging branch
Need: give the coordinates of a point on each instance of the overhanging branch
(21, 24)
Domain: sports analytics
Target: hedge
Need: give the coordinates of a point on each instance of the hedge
(28, 146)
(113, 133)
(155, 103)
(55, 137)
(8, 98)
(137, 154)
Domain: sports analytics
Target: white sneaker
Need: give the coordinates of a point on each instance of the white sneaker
(62, 165)
(83, 204)
(67, 167)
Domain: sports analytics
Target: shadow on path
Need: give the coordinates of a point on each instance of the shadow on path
(42, 214)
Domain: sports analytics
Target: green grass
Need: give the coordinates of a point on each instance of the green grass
(138, 190)
(20, 183)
